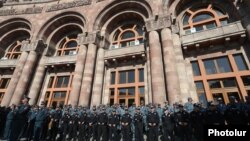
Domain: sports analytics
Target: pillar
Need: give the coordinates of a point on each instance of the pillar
(25, 78)
(37, 82)
(88, 75)
(157, 72)
(173, 86)
(98, 80)
(14, 79)
(77, 80)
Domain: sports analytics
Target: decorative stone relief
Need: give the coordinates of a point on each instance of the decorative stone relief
(67, 5)
(158, 23)
(89, 38)
(37, 46)
(31, 10)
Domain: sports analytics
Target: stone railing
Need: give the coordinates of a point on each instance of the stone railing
(67, 59)
(126, 51)
(232, 29)
(8, 63)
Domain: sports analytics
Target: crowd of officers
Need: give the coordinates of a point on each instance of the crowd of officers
(150, 122)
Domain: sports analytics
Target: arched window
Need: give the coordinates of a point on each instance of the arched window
(127, 35)
(203, 18)
(14, 51)
(68, 47)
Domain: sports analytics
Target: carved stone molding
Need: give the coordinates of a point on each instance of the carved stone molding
(67, 5)
(37, 46)
(159, 22)
(31, 10)
(89, 38)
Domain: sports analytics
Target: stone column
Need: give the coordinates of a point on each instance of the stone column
(37, 82)
(98, 80)
(77, 80)
(25, 78)
(88, 75)
(14, 79)
(184, 69)
(173, 86)
(157, 72)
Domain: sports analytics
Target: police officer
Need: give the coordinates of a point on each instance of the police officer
(102, 125)
(153, 121)
(234, 113)
(196, 120)
(55, 119)
(21, 119)
(167, 125)
(64, 125)
(112, 124)
(9, 121)
(126, 121)
(93, 124)
(31, 121)
(40, 119)
(182, 125)
(213, 116)
(189, 107)
(73, 123)
(138, 124)
(82, 125)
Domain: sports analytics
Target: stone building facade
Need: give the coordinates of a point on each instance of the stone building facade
(90, 52)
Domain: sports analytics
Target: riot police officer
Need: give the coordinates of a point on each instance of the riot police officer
(126, 121)
(102, 125)
(138, 124)
(153, 121)
(168, 125)
(113, 122)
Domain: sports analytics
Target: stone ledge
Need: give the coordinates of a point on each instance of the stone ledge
(8, 63)
(67, 59)
(232, 29)
(126, 51)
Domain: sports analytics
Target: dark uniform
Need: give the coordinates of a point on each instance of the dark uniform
(73, 123)
(153, 121)
(126, 121)
(138, 123)
(55, 119)
(20, 122)
(167, 125)
(93, 127)
(41, 116)
(196, 119)
(102, 125)
(113, 122)
(234, 114)
(213, 116)
(182, 123)
(65, 125)
(82, 126)
(9, 122)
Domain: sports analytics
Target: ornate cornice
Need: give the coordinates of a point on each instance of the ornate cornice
(89, 38)
(67, 5)
(30, 10)
(159, 22)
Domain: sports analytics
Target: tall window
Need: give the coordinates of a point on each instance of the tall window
(217, 65)
(127, 86)
(68, 47)
(58, 89)
(224, 88)
(127, 35)
(222, 77)
(14, 52)
(4, 83)
(203, 18)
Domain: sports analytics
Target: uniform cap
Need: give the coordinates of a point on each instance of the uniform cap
(180, 105)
